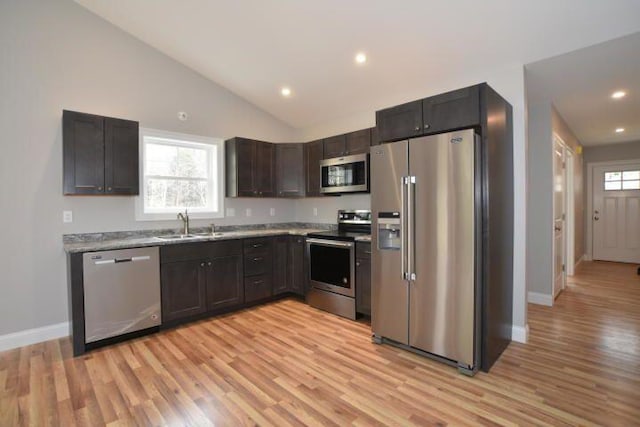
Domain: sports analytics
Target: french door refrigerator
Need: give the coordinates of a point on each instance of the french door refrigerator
(426, 210)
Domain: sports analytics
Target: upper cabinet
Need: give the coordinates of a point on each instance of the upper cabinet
(440, 113)
(290, 170)
(357, 142)
(100, 155)
(250, 168)
(313, 153)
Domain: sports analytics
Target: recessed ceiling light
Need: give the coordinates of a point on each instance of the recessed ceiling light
(361, 58)
(618, 94)
(619, 130)
(285, 91)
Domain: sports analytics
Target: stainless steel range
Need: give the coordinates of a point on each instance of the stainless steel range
(331, 256)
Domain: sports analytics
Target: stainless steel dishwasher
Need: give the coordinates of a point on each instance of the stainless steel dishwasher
(121, 292)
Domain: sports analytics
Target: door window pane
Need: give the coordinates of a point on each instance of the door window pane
(631, 185)
(613, 185)
(612, 176)
(631, 175)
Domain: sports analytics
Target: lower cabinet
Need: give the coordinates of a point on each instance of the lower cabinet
(363, 278)
(200, 277)
(184, 287)
(258, 267)
(288, 265)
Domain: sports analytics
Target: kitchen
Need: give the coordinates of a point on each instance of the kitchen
(113, 85)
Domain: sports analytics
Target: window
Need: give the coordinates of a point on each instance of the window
(180, 172)
(622, 180)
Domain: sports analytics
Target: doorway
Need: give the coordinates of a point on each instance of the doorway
(559, 216)
(614, 206)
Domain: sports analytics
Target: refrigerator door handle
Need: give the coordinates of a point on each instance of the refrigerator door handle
(403, 225)
(411, 184)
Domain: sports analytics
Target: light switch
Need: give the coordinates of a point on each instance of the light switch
(248, 212)
(315, 211)
(272, 211)
(231, 212)
(67, 216)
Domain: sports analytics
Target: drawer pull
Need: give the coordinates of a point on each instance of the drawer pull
(258, 282)
(367, 252)
(258, 259)
(257, 245)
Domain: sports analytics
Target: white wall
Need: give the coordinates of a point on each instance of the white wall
(56, 55)
(508, 80)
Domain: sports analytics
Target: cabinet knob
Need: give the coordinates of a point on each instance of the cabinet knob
(202, 264)
(357, 263)
(417, 128)
(99, 188)
(427, 126)
(209, 263)
(109, 189)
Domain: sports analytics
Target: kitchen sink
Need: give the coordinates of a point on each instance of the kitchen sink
(178, 236)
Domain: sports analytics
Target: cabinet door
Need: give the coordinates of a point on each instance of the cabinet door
(358, 142)
(83, 147)
(225, 286)
(335, 146)
(313, 153)
(295, 265)
(246, 167)
(375, 136)
(452, 110)
(183, 287)
(363, 286)
(121, 171)
(290, 170)
(399, 122)
(265, 160)
(280, 265)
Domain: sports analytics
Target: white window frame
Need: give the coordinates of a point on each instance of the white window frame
(216, 165)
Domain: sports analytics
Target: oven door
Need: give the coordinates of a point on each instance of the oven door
(332, 265)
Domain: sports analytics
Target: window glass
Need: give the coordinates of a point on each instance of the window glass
(631, 175)
(614, 185)
(631, 185)
(180, 172)
(613, 176)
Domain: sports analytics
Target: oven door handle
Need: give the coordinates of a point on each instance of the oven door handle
(332, 243)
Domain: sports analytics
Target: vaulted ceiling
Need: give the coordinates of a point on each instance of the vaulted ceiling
(254, 47)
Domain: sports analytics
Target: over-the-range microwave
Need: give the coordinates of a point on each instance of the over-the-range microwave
(347, 174)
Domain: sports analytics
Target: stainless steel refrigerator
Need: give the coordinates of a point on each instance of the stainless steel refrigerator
(426, 241)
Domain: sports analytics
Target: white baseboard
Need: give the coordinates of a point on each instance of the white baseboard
(587, 257)
(33, 336)
(520, 334)
(540, 299)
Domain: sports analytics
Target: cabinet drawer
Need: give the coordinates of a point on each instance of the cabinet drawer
(257, 263)
(257, 245)
(199, 250)
(257, 288)
(363, 250)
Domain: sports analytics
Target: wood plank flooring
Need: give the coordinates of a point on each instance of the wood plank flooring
(288, 364)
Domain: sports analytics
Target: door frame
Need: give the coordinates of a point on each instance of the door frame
(570, 211)
(556, 138)
(588, 256)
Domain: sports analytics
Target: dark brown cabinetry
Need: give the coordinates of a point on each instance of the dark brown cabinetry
(250, 168)
(258, 268)
(313, 153)
(289, 265)
(363, 278)
(100, 155)
(290, 170)
(357, 142)
(440, 113)
(200, 277)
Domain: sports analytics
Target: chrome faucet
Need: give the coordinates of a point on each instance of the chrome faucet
(185, 220)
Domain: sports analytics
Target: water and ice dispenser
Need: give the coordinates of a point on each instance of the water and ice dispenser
(389, 231)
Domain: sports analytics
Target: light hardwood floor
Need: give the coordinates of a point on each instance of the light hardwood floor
(288, 364)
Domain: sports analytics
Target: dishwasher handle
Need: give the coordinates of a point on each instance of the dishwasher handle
(120, 260)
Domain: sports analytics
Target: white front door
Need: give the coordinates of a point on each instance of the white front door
(616, 213)
(559, 188)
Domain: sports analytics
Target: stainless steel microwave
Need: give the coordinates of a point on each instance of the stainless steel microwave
(347, 174)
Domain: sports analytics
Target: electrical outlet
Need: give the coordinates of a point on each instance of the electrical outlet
(67, 216)
(315, 211)
(248, 212)
(231, 212)
(272, 211)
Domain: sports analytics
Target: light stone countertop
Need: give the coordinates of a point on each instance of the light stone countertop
(78, 243)
(134, 241)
